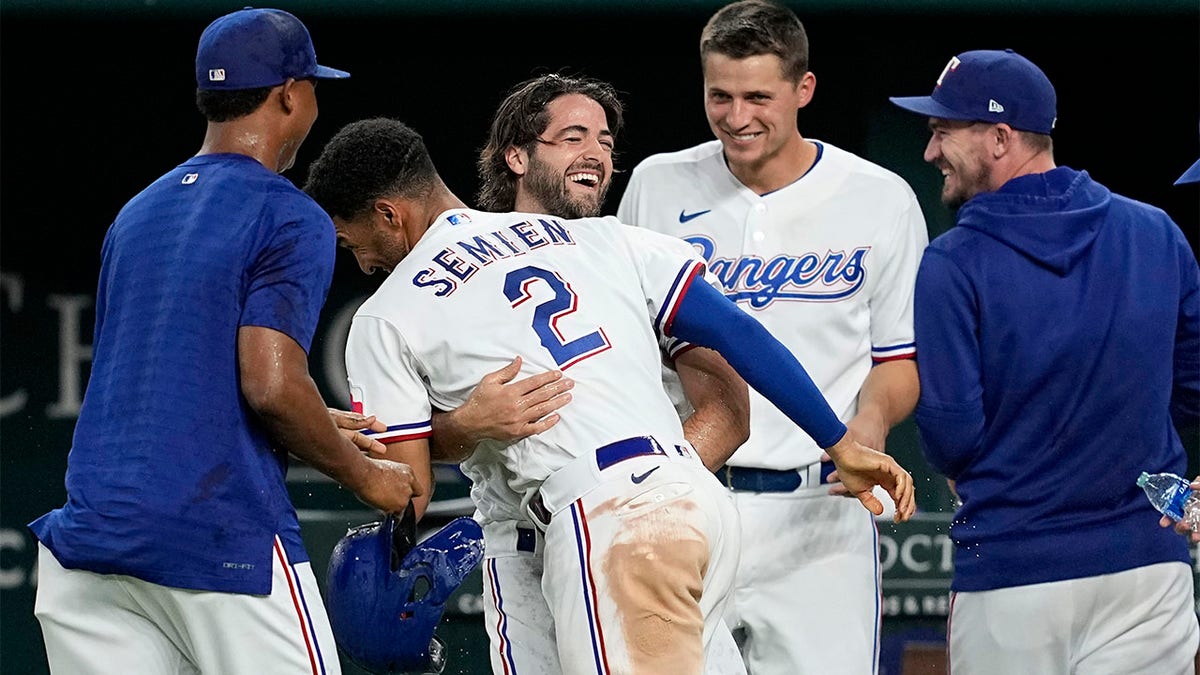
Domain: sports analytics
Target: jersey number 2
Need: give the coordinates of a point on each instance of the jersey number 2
(545, 318)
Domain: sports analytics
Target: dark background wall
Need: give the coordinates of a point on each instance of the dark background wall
(95, 102)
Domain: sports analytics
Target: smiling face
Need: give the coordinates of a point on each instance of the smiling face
(751, 108)
(960, 150)
(377, 244)
(568, 170)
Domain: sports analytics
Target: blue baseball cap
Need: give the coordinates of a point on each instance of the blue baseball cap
(990, 86)
(254, 48)
(1192, 175)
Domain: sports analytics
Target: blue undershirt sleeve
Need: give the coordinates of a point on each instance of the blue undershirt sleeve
(707, 318)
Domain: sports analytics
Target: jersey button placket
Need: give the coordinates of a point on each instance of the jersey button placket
(754, 233)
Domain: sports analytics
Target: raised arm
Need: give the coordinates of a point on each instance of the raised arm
(705, 317)
(275, 381)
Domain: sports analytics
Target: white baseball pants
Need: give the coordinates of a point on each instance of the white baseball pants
(1137, 622)
(106, 624)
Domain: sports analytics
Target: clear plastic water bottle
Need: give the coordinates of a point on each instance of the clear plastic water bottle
(1172, 496)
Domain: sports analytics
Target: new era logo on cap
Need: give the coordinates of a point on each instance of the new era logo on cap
(973, 84)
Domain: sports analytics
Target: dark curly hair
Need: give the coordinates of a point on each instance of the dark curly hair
(756, 27)
(367, 160)
(224, 106)
(521, 119)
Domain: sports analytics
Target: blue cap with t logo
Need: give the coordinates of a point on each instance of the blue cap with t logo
(254, 48)
(990, 86)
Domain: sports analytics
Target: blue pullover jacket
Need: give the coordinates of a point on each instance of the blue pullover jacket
(1059, 333)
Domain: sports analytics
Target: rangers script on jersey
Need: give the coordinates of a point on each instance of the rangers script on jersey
(811, 255)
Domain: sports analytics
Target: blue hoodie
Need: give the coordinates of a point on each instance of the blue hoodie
(1059, 333)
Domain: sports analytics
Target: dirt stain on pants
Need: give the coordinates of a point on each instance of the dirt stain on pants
(655, 569)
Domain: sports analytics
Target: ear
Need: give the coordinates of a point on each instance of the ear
(388, 213)
(517, 160)
(1001, 137)
(806, 87)
(287, 94)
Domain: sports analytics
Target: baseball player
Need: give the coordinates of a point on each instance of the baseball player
(640, 539)
(550, 150)
(1058, 566)
(178, 550)
(822, 247)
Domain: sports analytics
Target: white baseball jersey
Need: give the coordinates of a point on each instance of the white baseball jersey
(588, 297)
(479, 289)
(826, 263)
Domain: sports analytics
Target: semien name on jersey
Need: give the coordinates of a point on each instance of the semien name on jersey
(457, 263)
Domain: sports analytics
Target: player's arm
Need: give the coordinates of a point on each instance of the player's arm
(275, 382)
(703, 316)
(1185, 394)
(890, 391)
(721, 400)
(502, 410)
(949, 411)
(887, 397)
(415, 453)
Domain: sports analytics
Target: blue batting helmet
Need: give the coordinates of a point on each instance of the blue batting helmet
(386, 593)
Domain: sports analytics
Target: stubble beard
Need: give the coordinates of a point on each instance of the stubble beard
(969, 184)
(550, 190)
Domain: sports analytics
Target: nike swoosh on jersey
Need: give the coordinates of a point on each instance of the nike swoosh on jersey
(685, 216)
(638, 479)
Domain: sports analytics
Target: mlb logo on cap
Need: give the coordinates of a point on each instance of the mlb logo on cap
(254, 48)
(990, 86)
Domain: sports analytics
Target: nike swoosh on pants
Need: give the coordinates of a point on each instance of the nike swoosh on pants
(638, 479)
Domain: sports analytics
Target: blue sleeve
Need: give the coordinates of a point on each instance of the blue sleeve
(707, 318)
(291, 276)
(1185, 394)
(949, 413)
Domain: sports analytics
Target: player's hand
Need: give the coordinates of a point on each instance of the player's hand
(1182, 526)
(386, 485)
(351, 423)
(870, 431)
(860, 468)
(507, 411)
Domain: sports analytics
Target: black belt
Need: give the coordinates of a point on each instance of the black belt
(749, 479)
(526, 540)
